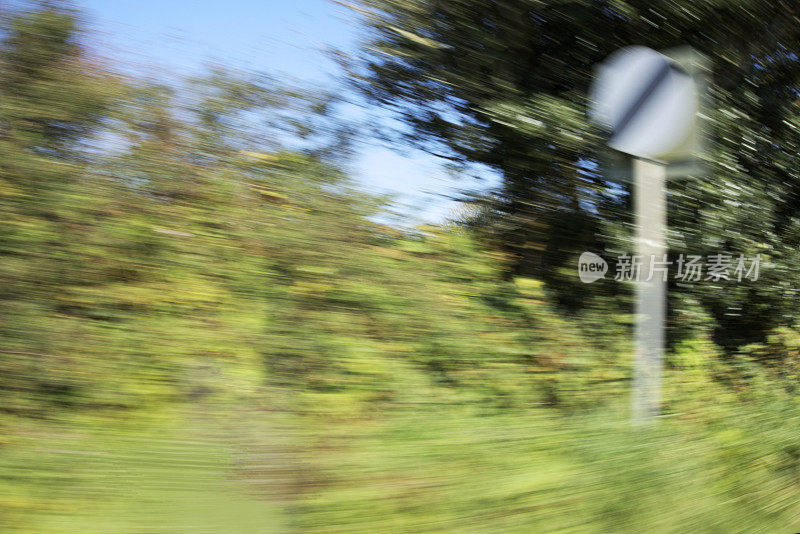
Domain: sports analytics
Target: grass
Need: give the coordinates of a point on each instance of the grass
(165, 474)
(432, 463)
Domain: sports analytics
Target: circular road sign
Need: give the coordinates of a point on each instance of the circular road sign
(646, 104)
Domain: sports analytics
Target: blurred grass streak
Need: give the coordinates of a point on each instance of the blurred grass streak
(164, 473)
(436, 465)
(715, 465)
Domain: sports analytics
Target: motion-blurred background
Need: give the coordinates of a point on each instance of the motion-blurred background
(310, 267)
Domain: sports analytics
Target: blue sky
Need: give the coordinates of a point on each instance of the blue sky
(284, 37)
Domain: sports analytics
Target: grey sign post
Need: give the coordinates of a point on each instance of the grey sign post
(651, 217)
(648, 105)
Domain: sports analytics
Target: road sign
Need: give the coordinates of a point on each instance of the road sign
(646, 103)
(690, 160)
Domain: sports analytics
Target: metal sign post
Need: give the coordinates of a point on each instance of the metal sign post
(651, 289)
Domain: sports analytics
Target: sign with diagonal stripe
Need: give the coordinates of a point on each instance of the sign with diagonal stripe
(646, 103)
(648, 106)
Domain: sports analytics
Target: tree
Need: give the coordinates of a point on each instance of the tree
(52, 98)
(504, 83)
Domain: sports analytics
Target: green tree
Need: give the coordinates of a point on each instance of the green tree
(505, 84)
(52, 98)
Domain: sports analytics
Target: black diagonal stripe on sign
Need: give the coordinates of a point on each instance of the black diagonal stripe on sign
(650, 88)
